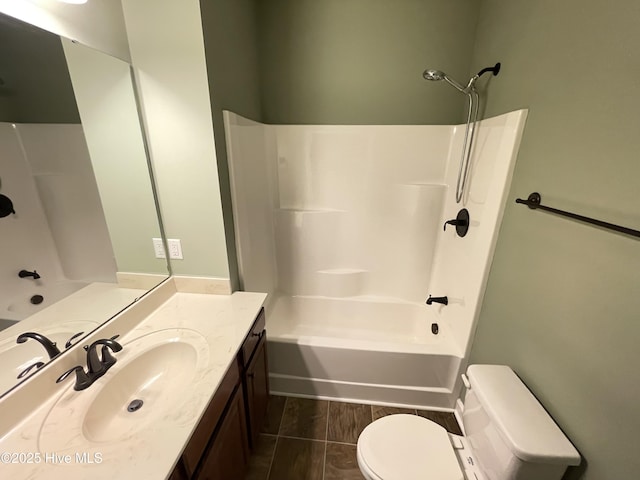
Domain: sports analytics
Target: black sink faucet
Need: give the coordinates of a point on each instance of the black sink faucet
(442, 300)
(49, 346)
(96, 366)
(26, 273)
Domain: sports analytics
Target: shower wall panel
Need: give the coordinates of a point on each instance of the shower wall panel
(251, 146)
(61, 168)
(462, 264)
(26, 239)
(358, 209)
(358, 212)
(56, 229)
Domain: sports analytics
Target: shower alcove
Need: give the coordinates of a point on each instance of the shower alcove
(343, 227)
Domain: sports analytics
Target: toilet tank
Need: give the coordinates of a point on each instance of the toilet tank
(511, 435)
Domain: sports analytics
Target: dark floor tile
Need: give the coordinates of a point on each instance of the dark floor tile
(446, 419)
(275, 408)
(346, 421)
(379, 411)
(297, 459)
(304, 418)
(260, 460)
(341, 462)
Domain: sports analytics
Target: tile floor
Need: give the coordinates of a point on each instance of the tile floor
(305, 439)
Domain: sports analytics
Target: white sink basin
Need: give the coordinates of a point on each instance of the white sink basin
(153, 371)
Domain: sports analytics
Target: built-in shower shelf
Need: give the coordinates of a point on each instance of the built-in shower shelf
(342, 271)
(339, 282)
(425, 185)
(309, 210)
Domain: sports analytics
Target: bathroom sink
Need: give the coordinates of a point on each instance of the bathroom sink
(148, 382)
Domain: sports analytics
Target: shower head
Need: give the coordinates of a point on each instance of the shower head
(434, 75)
(437, 75)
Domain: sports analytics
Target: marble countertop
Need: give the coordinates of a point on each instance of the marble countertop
(143, 453)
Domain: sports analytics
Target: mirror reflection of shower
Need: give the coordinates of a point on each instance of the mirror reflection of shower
(472, 117)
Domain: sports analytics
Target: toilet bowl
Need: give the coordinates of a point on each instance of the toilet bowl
(407, 447)
(508, 436)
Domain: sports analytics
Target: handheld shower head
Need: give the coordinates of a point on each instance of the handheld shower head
(437, 75)
(433, 75)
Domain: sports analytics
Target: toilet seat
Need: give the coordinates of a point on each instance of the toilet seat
(407, 447)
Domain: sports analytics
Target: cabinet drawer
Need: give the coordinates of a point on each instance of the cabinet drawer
(212, 415)
(254, 336)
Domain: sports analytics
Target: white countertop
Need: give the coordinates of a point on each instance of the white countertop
(150, 452)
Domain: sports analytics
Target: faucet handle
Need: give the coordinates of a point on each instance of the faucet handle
(72, 338)
(461, 222)
(26, 371)
(82, 379)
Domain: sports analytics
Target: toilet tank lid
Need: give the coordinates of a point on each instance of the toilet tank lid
(524, 423)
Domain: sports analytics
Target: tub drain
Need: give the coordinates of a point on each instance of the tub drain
(36, 299)
(135, 405)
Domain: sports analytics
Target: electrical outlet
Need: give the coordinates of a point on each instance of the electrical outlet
(175, 248)
(158, 248)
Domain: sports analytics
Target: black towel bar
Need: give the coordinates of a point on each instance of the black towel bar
(534, 200)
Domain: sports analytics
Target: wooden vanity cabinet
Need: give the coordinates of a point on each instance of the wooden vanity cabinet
(219, 446)
(253, 363)
(228, 454)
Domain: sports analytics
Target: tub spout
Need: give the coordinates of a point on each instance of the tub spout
(442, 300)
(26, 273)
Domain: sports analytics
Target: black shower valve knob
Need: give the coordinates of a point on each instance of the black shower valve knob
(6, 206)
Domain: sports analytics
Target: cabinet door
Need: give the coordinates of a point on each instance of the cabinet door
(228, 454)
(257, 382)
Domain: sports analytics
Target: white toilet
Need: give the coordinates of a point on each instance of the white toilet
(508, 436)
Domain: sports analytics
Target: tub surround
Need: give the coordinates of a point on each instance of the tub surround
(222, 320)
(342, 225)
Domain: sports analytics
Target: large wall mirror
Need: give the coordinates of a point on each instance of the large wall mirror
(77, 206)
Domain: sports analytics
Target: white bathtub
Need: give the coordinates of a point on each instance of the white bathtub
(361, 349)
(19, 306)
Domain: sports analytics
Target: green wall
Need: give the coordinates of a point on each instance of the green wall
(563, 298)
(230, 42)
(361, 61)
